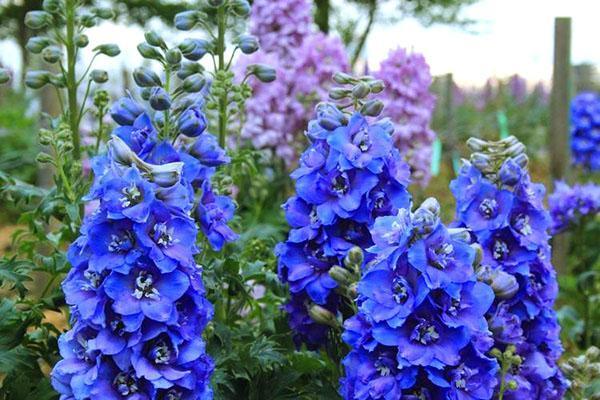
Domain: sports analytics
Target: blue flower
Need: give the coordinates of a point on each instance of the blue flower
(206, 149)
(192, 122)
(214, 213)
(125, 111)
(139, 136)
(488, 209)
(128, 196)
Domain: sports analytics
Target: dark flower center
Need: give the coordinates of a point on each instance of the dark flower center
(521, 224)
(454, 307)
(117, 326)
(400, 290)
(173, 394)
(161, 354)
(383, 366)
(425, 333)
(500, 249)
(95, 279)
(362, 140)
(441, 255)
(163, 235)
(125, 384)
(341, 185)
(314, 218)
(120, 243)
(488, 208)
(144, 286)
(131, 196)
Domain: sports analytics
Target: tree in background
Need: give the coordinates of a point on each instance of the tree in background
(427, 12)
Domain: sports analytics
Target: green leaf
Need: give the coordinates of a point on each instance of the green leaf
(15, 273)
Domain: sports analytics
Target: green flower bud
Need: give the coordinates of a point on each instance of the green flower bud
(146, 93)
(149, 52)
(216, 3)
(339, 93)
(512, 384)
(44, 158)
(241, 8)
(144, 77)
(37, 43)
(476, 144)
(323, 316)
(87, 20)
(52, 6)
(154, 39)
(99, 76)
(110, 50)
(592, 353)
(263, 72)
(52, 54)
(343, 79)
(37, 79)
(4, 76)
(38, 19)
(188, 69)
(173, 56)
(354, 259)
(372, 108)
(377, 86)
(341, 275)
(58, 80)
(104, 13)
(360, 90)
(81, 40)
(194, 83)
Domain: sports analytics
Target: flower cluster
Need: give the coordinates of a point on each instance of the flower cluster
(138, 305)
(570, 204)
(410, 104)
(304, 60)
(350, 174)
(498, 202)
(420, 332)
(585, 130)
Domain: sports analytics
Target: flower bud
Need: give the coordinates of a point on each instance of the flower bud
(216, 3)
(159, 99)
(194, 83)
(149, 52)
(4, 76)
(339, 93)
(104, 13)
(343, 79)
(323, 316)
(510, 172)
(241, 8)
(377, 86)
(145, 77)
(481, 161)
(186, 20)
(426, 218)
(248, 44)
(110, 50)
(52, 54)
(515, 149)
(125, 111)
(460, 234)
(188, 69)
(38, 19)
(81, 40)
(512, 384)
(154, 39)
(99, 76)
(87, 20)
(263, 72)
(165, 175)
(372, 108)
(505, 285)
(52, 6)
(330, 117)
(592, 353)
(145, 93)
(173, 56)
(37, 79)
(354, 259)
(120, 151)
(192, 122)
(360, 90)
(194, 49)
(342, 276)
(37, 43)
(476, 144)
(44, 158)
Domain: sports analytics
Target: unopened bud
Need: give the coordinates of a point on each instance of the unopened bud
(323, 316)
(360, 90)
(144, 77)
(341, 275)
(372, 108)
(154, 39)
(149, 52)
(186, 20)
(99, 76)
(343, 79)
(110, 50)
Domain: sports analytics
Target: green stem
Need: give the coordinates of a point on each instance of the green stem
(222, 24)
(503, 373)
(71, 78)
(167, 126)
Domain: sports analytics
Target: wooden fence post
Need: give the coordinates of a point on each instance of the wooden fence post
(560, 154)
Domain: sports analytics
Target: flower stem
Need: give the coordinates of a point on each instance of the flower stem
(222, 24)
(73, 109)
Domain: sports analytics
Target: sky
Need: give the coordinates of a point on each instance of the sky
(511, 36)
